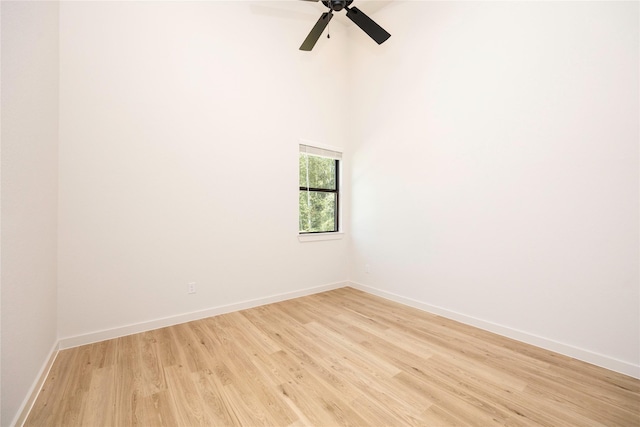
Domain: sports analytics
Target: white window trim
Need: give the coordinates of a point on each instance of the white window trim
(329, 235)
(318, 237)
(321, 146)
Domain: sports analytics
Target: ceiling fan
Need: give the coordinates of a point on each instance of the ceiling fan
(375, 31)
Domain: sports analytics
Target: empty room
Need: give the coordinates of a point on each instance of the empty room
(291, 213)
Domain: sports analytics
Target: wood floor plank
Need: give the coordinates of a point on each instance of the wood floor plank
(253, 334)
(211, 391)
(48, 408)
(158, 410)
(100, 402)
(341, 357)
(152, 379)
(184, 396)
(167, 347)
(127, 382)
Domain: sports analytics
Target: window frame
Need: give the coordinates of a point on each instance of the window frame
(337, 156)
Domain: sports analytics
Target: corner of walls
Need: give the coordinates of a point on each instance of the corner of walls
(28, 249)
(588, 356)
(497, 176)
(36, 387)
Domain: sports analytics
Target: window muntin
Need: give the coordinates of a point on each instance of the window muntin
(319, 199)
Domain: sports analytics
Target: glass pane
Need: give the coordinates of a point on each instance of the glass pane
(320, 172)
(317, 212)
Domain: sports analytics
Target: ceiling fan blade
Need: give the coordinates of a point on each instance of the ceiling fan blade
(316, 31)
(367, 25)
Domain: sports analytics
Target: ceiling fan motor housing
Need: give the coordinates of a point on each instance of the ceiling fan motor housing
(366, 24)
(337, 5)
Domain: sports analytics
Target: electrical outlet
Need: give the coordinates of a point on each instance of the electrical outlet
(367, 268)
(191, 288)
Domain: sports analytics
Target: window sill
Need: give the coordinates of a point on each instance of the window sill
(320, 236)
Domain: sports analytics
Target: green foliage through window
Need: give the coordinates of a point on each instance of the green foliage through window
(318, 194)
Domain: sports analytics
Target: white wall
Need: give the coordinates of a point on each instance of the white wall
(29, 195)
(495, 175)
(494, 178)
(179, 125)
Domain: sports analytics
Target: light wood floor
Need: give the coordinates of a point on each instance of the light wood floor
(337, 358)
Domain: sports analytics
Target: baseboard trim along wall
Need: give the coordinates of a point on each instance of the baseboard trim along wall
(564, 349)
(69, 342)
(108, 334)
(34, 391)
(93, 337)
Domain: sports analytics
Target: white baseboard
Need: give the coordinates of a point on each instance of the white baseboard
(34, 391)
(558, 347)
(107, 334)
(65, 343)
(93, 337)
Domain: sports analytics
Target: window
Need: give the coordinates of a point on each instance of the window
(319, 207)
